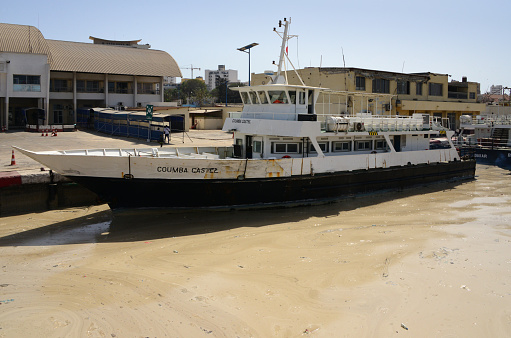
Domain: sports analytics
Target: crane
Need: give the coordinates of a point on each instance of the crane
(192, 68)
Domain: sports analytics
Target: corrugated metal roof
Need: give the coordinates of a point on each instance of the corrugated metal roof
(87, 57)
(22, 39)
(92, 58)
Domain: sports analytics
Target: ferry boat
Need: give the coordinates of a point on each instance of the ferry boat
(487, 138)
(293, 145)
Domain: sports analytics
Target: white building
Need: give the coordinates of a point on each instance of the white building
(46, 81)
(212, 77)
(496, 90)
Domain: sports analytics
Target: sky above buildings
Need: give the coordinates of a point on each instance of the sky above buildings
(456, 37)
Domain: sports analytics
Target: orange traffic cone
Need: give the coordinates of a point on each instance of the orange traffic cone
(46, 132)
(55, 132)
(42, 132)
(13, 160)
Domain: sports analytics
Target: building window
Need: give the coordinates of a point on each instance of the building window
(147, 88)
(472, 95)
(418, 88)
(360, 83)
(26, 83)
(435, 89)
(381, 86)
(286, 148)
(341, 146)
(89, 86)
(59, 85)
(120, 87)
(57, 113)
(403, 87)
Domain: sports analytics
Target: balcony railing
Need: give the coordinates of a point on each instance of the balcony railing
(456, 95)
(26, 87)
(61, 89)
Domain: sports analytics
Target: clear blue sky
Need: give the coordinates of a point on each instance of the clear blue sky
(461, 38)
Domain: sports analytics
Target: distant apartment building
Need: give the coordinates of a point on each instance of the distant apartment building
(169, 82)
(496, 90)
(46, 81)
(388, 93)
(212, 77)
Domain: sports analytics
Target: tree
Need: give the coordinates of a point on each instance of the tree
(193, 89)
(172, 95)
(232, 96)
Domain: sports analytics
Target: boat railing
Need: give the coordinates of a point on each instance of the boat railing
(360, 122)
(490, 120)
(485, 142)
(265, 115)
(374, 123)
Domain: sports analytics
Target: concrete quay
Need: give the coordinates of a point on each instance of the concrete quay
(28, 186)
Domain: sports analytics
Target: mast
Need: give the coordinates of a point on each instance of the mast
(279, 79)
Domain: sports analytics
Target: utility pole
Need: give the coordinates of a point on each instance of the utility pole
(192, 68)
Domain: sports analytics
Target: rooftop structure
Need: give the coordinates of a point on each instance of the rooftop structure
(59, 77)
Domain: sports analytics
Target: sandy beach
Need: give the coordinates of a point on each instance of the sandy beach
(429, 262)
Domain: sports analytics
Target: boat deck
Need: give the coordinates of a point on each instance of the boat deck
(177, 152)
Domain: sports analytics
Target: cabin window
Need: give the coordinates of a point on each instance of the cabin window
(281, 148)
(257, 146)
(363, 145)
(292, 96)
(278, 96)
(262, 97)
(253, 97)
(379, 144)
(322, 145)
(301, 97)
(341, 146)
(472, 95)
(244, 98)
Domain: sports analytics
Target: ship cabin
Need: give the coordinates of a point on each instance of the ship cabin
(282, 121)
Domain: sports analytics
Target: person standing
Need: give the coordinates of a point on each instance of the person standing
(166, 131)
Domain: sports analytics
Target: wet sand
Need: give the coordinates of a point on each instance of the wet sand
(432, 261)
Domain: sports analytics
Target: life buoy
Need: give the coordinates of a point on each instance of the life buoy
(286, 156)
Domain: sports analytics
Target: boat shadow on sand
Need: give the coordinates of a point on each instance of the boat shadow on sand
(144, 225)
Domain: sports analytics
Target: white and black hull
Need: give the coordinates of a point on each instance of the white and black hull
(498, 157)
(268, 192)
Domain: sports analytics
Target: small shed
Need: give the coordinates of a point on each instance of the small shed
(206, 119)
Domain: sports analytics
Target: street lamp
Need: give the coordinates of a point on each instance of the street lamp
(245, 49)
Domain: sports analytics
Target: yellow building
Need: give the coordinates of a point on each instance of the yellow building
(387, 93)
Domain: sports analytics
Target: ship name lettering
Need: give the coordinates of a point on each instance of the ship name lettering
(205, 170)
(481, 155)
(240, 121)
(183, 170)
(179, 170)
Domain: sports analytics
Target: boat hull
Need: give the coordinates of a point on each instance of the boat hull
(498, 157)
(266, 192)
